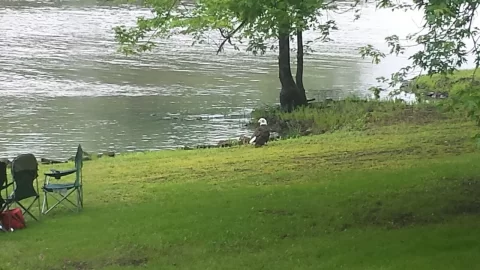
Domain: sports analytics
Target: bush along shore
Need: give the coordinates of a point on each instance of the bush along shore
(436, 96)
(427, 88)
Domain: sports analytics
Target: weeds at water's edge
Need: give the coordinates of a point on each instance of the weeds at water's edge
(348, 114)
(438, 98)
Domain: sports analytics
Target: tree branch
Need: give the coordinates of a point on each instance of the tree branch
(475, 47)
(229, 36)
(352, 6)
(167, 16)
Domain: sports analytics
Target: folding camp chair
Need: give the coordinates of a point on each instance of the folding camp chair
(65, 189)
(24, 173)
(3, 186)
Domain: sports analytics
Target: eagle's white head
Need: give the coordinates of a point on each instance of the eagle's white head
(262, 121)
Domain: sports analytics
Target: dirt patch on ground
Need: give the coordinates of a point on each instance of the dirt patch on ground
(90, 265)
(243, 170)
(394, 220)
(350, 156)
(131, 262)
(470, 190)
(405, 219)
(347, 157)
(278, 212)
(77, 265)
(419, 116)
(472, 207)
(454, 197)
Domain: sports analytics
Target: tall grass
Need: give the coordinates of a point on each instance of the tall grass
(460, 99)
(349, 114)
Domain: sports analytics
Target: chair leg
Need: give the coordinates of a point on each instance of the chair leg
(81, 195)
(39, 209)
(59, 201)
(79, 200)
(45, 202)
(27, 209)
(38, 199)
(2, 228)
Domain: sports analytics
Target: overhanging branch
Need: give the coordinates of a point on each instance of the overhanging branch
(229, 36)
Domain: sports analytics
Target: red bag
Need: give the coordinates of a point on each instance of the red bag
(13, 219)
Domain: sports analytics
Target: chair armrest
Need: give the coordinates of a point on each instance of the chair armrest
(59, 174)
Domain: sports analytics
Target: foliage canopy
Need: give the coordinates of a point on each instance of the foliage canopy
(255, 22)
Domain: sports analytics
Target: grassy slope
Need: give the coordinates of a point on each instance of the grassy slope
(398, 197)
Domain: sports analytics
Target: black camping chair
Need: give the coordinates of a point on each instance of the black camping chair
(24, 173)
(65, 189)
(3, 186)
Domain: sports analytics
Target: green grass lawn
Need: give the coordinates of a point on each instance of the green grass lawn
(402, 196)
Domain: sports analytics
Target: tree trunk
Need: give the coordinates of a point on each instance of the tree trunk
(299, 75)
(289, 91)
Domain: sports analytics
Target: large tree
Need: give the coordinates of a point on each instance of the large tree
(257, 22)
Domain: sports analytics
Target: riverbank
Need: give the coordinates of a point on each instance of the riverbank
(324, 117)
(351, 114)
(389, 197)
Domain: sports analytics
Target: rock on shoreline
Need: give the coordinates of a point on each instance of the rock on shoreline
(49, 161)
(242, 140)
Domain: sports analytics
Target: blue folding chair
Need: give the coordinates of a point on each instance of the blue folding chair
(64, 190)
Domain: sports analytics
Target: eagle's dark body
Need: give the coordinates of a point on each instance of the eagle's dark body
(261, 136)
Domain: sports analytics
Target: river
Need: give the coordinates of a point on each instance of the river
(63, 83)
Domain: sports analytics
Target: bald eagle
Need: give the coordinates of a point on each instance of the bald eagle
(262, 134)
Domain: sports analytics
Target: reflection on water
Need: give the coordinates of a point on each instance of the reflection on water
(62, 82)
